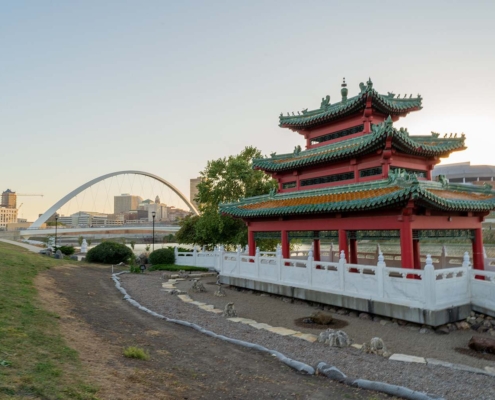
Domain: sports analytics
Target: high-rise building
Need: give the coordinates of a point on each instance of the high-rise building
(193, 189)
(125, 203)
(7, 216)
(9, 199)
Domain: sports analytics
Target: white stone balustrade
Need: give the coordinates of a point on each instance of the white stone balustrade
(429, 288)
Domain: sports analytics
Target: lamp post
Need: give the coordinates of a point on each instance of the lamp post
(153, 214)
(56, 223)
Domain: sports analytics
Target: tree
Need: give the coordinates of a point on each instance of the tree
(224, 180)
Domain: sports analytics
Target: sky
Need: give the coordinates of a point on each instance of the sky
(92, 87)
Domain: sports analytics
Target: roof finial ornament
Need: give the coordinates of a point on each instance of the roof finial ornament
(344, 91)
(325, 102)
(369, 83)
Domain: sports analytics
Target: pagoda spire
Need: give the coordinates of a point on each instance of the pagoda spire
(344, 92)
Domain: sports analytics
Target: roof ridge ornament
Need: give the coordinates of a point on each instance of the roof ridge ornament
(325, 103)
(443, 180)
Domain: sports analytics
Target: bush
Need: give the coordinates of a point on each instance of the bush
(67, 250)
(109, 253)
(136, 352)
(162, 256)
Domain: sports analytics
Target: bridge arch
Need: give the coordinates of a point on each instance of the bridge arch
(48, 213)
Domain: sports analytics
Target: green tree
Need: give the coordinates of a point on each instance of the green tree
(80, 240)
(224, 180)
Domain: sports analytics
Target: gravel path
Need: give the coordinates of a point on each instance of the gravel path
(441, 381)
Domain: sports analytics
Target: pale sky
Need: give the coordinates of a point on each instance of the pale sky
(92, 87)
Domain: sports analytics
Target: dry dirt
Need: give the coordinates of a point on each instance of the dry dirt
(184, 364)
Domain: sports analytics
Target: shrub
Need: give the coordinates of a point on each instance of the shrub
(162, 256)
(136, 352)
(109, 253)
(67, 250)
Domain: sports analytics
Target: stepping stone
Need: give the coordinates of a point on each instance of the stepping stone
(236, 319)
(407, 358)
(357, 346)
(282, 331)
(167, 286)
(185, 298)
(260, 325)
(198, 303)
(490, 370)
(207, 307)
(247, 321)
(216, 311)
(309, 337)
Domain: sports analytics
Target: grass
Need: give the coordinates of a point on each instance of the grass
(35, 361)
(136, 352)
(173, 267)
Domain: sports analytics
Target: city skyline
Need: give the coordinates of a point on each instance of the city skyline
(88, 89)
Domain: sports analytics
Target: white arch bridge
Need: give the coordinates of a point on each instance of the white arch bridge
(53, 209)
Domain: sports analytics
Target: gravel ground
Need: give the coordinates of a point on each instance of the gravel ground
(441, 381)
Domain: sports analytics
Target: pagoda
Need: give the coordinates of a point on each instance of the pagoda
(359, 178)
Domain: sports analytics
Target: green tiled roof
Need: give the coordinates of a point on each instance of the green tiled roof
(426, 146)
(394, 192)
(387, 104)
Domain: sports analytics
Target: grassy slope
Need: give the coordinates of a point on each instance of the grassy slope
(34, 359)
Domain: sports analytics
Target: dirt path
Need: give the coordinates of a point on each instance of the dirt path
(184, 364)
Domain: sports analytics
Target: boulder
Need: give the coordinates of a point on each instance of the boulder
(198, 286)
(462, 325)
(334, 338)
(482, 344)
(442, 330)
(376, 346)
(365, 316)
(322, 318)
(229, 311)
(220, 292)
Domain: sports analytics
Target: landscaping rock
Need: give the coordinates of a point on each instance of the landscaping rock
(376, 346)
(334, 338)
(76, 259)
(229, 311)
(365, 316)
(462, 326)
(482, 344)
(198, 286)
(343, 312)
(425, 330)
(442, 330)
(59, 255)
(220, 292)
(322, 318)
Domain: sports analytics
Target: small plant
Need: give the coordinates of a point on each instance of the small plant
(136, 352)
(89, 241)
(147, 248)
(67, 250)
(80, 240)
(132, 243)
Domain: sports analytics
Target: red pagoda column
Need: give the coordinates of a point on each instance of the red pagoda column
(343, 243)
(316, 248)
(406, 245)
(353, 253)
(416, 254)
(285, 244)
(251, 243)
(478, 259)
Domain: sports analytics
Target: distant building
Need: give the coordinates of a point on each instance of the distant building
(193, 189)
(91, 219)
(125, 203)
(9, 199)
(465, 173)
(7, 216)
(176, 214)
